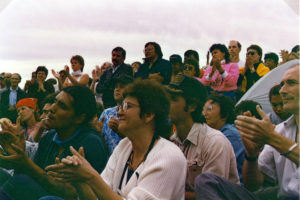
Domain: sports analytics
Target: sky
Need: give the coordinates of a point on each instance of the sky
(50, 32)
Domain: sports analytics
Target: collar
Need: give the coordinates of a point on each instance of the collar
(77, 73)
(192, 136)
(112, 68)
(60, 142)
(13, 90)
(290, 121)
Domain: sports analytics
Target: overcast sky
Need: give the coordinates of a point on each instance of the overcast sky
(49, 32)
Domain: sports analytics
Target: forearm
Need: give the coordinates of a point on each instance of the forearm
(46, 181)
(282, 145)
(252, 177)
(101, 189)
(84, 191)
(72, 79)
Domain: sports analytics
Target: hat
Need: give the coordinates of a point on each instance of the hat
(29, 102)
(175, 58)
(124, 79)
(187, 86)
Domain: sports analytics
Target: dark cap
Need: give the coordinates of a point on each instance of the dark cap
(123, 79)
(187, 86)
(175, 58)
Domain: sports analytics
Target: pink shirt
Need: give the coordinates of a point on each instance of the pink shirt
(222, 82)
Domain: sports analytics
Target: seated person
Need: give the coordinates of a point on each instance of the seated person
(278, 114)
(142, 165)
(222, 75)
(219, 114)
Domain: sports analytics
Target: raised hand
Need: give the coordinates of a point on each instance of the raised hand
(114, 124)
(55, 74)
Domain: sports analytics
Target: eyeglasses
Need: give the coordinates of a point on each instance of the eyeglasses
(252, 53)
(125, 105)
(207, 109)
(189, 68)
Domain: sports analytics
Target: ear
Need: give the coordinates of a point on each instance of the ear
(79, 119)
(148, 117)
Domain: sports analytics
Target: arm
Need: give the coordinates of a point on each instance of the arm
(84, 80)
(57, 76)
(232, 74)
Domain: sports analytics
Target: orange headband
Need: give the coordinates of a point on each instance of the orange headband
(29, 102)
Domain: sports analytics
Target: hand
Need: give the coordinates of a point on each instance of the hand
(55, 74)
(99, 125)
(67, 70)
(73, 168)
(156, 76)
(255, 133)
(114, 124)
(284, 55)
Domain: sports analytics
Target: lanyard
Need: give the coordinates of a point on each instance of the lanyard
(129, 159)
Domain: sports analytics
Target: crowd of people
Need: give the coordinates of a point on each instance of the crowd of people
(157, 129)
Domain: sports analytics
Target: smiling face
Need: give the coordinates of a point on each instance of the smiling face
(289, 91)
(129, 116)
(212, 114)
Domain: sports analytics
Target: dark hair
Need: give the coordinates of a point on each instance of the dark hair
(79, 59)
(120, 49)
(247, 105)
(272, 56)
(226, 106)
(295, 49)
(152, 99)
(223, 49)
(191, 52)
(195, 64)
(239, 44)
(20, 78)
(257, 48)
(274, 91)
(136, 62)
(83, 101)
(43, 69)
(156, 47)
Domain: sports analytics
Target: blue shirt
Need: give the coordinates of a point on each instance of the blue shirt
(112, 139)
(12, 97)
(234, 137)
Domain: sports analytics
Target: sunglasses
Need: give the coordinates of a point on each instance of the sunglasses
(251, 53)
(189, 68)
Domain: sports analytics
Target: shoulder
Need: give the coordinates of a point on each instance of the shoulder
(214, 137)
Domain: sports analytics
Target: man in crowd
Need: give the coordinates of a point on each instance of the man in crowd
(154, 67)
(10, 97)
(279, 159)
(254, 68)
(206, 149)
(118, 67)
(271, 60)
(40, 88)
(234, 49)
(278, 114)
(69, 116)
(109, 115)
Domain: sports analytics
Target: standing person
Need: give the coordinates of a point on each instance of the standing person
(154, 67)
(10, 97)
(219, 114)
(254, 68)
(109, 116)
(206, 149)
(271, 60)
(118, 67)
(40, 88)
(279, 159)
(144, 165)
(69, 119)
(278, 114)
(234, 49)
(222, 76)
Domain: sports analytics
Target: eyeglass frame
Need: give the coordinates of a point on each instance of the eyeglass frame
(124, 106)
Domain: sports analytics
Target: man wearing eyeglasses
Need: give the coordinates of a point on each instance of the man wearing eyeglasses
(254, 68)
(10, 97)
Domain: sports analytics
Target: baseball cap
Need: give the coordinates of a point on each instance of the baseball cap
(187, 86)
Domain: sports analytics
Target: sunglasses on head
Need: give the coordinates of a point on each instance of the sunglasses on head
(251, 53)
(189, 68)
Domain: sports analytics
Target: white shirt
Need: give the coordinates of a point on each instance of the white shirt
(278, 167)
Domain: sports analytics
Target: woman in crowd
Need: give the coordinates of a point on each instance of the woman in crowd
(142, 165)
(219, 114)
(191, 68)
(76, 77)
(222, 75)
(28, 117)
